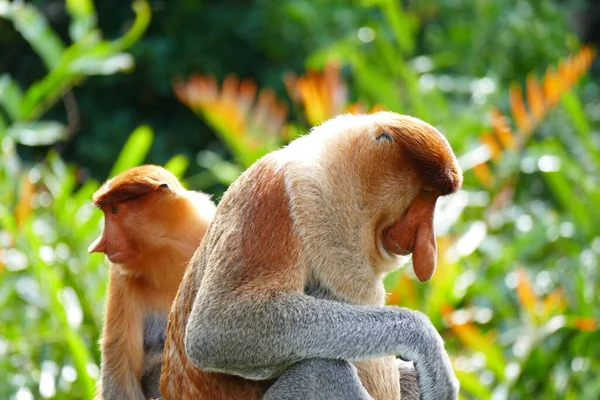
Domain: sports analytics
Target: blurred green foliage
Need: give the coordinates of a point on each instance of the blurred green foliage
(516, 292)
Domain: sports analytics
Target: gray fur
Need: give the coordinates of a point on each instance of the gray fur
(409, 384)
(318, 379)
(262, 339)
(155, 326)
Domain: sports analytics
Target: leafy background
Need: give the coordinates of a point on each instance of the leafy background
(206, 87)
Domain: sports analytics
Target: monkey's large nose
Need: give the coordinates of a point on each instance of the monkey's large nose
(98, 246)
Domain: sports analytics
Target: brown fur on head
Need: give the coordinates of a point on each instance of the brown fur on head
(147, 211)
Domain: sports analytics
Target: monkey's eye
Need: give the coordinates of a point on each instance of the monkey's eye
(164, 186)
(427, 189)
(384, 137)
(114, 210)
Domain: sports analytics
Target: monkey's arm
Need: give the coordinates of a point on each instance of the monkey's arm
(122, 343)
(260, 339)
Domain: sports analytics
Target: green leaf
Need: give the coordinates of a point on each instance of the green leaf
(143, 15)
(84, 18)
(37, 133)
(472, 384)
(562, 188)
(94, 65)
(11, 96)
(52, 285)
(35, 29)
(134, 151)
(177, 165)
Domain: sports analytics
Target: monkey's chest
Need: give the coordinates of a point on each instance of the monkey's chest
(155, 326)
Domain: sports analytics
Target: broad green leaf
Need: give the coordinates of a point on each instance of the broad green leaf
(177, 165)
(11, 96)
(134, 151)
(402, 24)
(37, 133)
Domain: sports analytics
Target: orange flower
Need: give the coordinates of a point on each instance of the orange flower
(24, 207)
(535, 98)
(246, 122)
(492, 144)
(518, 109)
(586, 324)
(323, 95)
(502, 129)
(525, 293)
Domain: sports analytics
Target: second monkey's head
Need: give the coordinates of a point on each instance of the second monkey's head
(147, 211)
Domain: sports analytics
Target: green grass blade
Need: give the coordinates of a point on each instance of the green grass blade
(35, 29)
(177, 165)
(11, 97)
(143, 14)
(134, 151)
(83, 18)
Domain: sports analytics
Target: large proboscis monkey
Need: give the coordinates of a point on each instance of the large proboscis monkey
(152, 226)
(286, 288)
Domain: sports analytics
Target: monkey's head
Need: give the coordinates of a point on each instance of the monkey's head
(401, 165)
(141, 207)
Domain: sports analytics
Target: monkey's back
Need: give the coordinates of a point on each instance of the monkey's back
(180, 379)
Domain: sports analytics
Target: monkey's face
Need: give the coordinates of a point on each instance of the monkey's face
(115, 239)
(404, 166)
(138, 210)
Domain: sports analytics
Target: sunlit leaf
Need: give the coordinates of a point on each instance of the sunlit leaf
(37, 133)
(177, 165)
(83, 17)
(10, 96)
(134, 151)
(94, 65)
(143, 14)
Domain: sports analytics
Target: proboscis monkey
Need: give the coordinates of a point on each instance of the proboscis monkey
(286, 288)
(152, 226)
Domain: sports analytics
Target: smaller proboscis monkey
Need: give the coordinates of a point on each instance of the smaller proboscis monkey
(285, 298)
(152, 226)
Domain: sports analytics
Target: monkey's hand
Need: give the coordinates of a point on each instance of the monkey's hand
(434, 371)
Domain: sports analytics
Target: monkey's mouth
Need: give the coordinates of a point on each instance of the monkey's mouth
(116, 257)
(390, 244)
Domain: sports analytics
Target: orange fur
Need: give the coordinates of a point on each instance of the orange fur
(149, 241)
